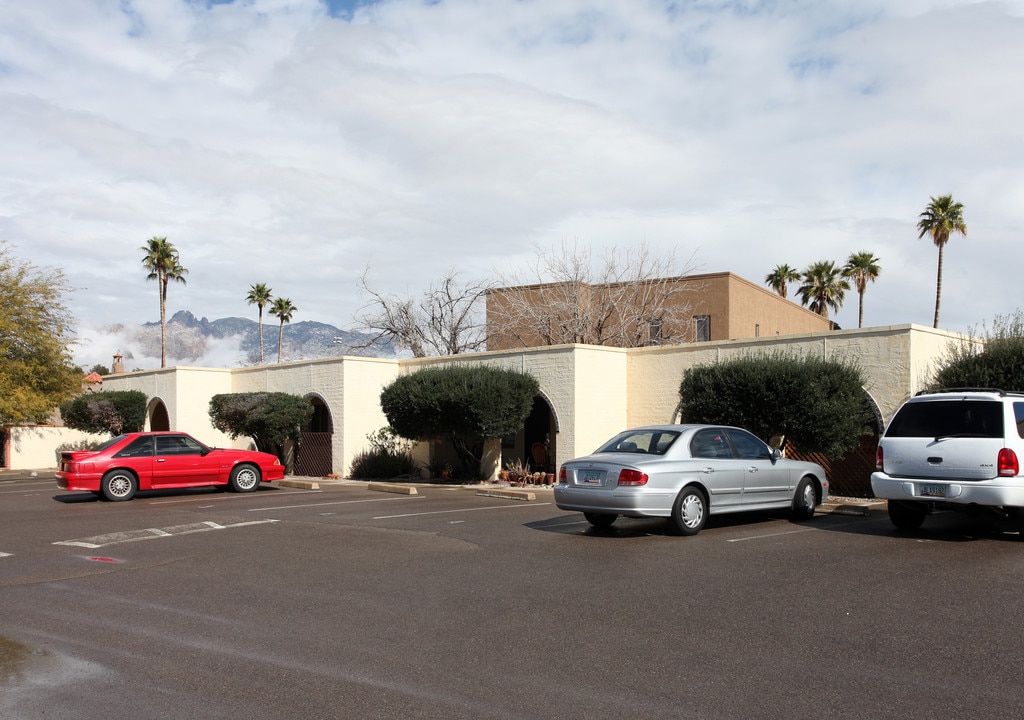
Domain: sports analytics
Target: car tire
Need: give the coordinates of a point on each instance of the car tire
(689, 512)
(907, 515)
(118, 485)
(1017, 515)
(805, 500)
(600, 520)
(244, 478)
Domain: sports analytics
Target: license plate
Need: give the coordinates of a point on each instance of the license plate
(591, 477)
(938, 491)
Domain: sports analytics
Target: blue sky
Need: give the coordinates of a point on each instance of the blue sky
(285, 142)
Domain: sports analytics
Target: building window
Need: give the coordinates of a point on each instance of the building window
(654, 329)
(757, 330)
(702, 328)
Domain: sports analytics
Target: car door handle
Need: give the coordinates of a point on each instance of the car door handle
(707, 470)
(161, 459)
(752, 469)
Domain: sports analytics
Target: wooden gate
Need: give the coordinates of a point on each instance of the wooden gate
(314, 457)
(850, 476)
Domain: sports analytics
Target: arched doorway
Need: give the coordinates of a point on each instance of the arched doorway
(157, 417)
(540, 432)
(315, 456)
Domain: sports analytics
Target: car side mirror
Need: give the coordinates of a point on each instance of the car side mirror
(776, 454)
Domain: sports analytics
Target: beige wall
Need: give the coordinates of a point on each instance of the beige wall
(350, 387)
(593, 391)
(755, 311)
(186, 393)
(738, 308)
(897, 361)
(35, 447)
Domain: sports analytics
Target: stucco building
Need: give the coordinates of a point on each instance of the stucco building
(587, 393)
(691, 308)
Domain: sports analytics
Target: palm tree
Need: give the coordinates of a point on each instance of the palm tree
(942, 217)
(161, 260)
(824, 287)
(862, 267)
(283, 309)
(780, 278)
(259, 295)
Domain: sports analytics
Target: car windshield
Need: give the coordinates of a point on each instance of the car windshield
(948, 418)
(653, 442)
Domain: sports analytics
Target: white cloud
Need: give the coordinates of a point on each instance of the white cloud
(273, 142)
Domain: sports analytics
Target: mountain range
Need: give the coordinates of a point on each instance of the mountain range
(189, 339)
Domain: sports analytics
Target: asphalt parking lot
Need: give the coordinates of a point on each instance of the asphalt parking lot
(343, 602)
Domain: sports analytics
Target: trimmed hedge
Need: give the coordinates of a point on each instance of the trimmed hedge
(463, 403)
(819, 404)
(269, 418)
(113, 412)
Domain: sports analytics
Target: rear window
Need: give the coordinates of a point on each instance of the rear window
(654, 442)
(1018, 414)
(948, 418)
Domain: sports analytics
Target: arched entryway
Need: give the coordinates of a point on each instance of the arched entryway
(156, 416)
(315, 456)
(537, 443)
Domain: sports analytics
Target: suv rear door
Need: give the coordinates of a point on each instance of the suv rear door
(948, 438)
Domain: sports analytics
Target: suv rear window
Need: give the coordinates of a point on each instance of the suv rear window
(948, 418)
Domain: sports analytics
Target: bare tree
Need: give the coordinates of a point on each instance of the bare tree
(446, 320)
(635, 298)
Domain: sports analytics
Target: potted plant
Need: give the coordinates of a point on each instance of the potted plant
(518, 471)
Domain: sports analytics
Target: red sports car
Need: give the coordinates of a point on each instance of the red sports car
(157, 460)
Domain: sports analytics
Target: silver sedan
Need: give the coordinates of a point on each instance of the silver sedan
(685, 473)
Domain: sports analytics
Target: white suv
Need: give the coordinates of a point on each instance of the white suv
(952, 449)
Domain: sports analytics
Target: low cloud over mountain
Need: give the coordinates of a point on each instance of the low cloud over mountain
(225, 342)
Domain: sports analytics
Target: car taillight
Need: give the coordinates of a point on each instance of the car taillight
(1007, 463)
(878, 459)
(632, 477)
(562, 476)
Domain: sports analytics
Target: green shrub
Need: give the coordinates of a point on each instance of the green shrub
(382, 465)
(994, 360)
(112, 412)
(269, 418)
(819, 404)
(464, 404)
(387, 458)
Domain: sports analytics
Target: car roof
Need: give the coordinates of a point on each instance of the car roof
(946, 393)
(679, 427)
(154, 433)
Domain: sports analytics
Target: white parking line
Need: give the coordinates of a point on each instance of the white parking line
(3, 554)
(338, 502)
(26, 487)
(231, 496)
(99, 541)
(461, 510)
(769, 535)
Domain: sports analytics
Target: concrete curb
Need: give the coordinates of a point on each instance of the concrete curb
(392, 488)
(300, 484)
(858, 509)
(524, 495)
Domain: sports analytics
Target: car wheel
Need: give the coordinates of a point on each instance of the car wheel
(599, 519)
(907, 515)
(119, 485)
(689, 512)
(805, 500)
(244, 478)
(1017, 515)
